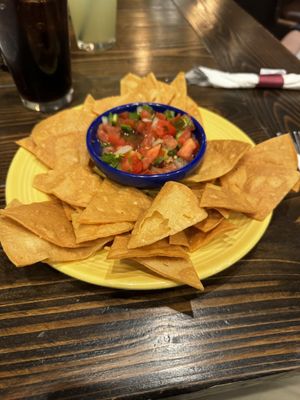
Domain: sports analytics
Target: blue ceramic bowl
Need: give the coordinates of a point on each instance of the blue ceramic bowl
(142, 181)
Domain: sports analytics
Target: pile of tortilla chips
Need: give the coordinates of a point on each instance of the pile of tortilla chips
(86, 212)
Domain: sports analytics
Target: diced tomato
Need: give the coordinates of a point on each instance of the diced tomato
(146, 114)
(132, 163)
(115, 139)
(164, 127)
(127, 121)
(187, 150)
(146, 143)
(143, 127)
(160, 115)
(102, 135)
(186, 134)
(125, 164)
(124, 115)
(170, 142)
(136, 162)
(151, 155)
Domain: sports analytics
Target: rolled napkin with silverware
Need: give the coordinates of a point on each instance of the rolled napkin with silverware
(267, 78)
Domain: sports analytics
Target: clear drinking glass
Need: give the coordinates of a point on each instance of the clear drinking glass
(94, 23)
(34, 42)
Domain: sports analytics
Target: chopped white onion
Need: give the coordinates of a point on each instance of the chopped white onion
(124, 149)
(157, 141)
(104, 120)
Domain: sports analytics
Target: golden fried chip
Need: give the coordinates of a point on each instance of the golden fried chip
(69, 210)
(216, 196)
(278, 151)
(75, 185)
(265, 174)
(296, 187)
(89, 232)
(165, 93)
(192, 108)
(59, 151)
(162, 248)
(213, 219)
(220, 157)
(177, 269)
(46, 219)
(40, 153)
(23, 247)
(102, 105)
(263, 185)
(173, 209)
(179, 84)
(199, 239)
(128, 83)
(225, 213)
(179, 239)
(63, 122)
(115, 203)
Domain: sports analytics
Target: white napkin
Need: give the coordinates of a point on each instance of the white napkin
(267, 78)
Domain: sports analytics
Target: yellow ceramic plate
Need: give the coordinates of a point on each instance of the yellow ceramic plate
(209, 260)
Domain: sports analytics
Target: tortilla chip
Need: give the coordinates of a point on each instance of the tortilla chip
(165, 93)
(63, 122)
(40, 153)
(177, 269)
(296, 187)
(265, 174)
(69, 210)
(213, 219)
(179, 84)
(220, 157)
(179, 239)
(192, 108)
(86, 233)
(216, 196)
(278, 151)
(115, 203)
(264, 185)
(128, 83)
(23, 247)
(102, 105)
(147, 90)
(162, 248)
(75, 185)
(46, 219)
(225, 213)
(173, 209)
(198, 239)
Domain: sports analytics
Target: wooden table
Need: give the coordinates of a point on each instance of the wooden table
(66, 339)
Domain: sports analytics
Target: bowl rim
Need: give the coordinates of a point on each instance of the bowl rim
(166, 175)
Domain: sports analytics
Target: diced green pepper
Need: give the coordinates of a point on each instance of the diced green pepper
(169, 114)
(112, 159)
(148, 108)
(158, 161)
(183, 122)
(134, 115)
(127, 129)
(113, 119)
(172, 152)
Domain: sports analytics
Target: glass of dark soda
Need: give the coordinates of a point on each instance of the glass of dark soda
(34, 42)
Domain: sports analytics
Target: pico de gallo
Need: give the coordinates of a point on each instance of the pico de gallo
(146, 141)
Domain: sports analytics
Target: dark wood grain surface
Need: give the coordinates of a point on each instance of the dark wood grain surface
(65, 339)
